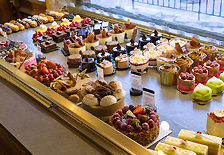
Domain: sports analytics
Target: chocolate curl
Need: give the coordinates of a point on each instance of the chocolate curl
(116, 28)
(178, 48)
(194, 42)
(94, 37)
(80, 52)
(116, 38)
(92, 48)
(90, 38)
(156, 33)
(118, 47)
(132, 42)
(104, 33)
(125, 36)
(86, 59)
(134, 34)
(103, 52)
(143, 37)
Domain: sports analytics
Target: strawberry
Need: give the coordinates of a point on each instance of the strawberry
(133, 122)
(139, 110)
(51, 65)
(143, 118)
(41, 65)
(44, 70)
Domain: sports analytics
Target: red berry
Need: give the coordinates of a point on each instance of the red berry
(40, 78)
(200, 71)
(56, 75)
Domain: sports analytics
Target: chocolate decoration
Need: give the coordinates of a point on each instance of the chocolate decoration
(44, 37)
(107, 34)
(94, 37)
(118, 47)
(194, 42)
(156, 33)
(47, 42)
(178, 48)
(58, 32)
(80, 52)
(125, 36)
(103, 52)
(119, 31)
(86, 59)
(92, 48)
(106, 43)
(143, 37)
(80, 43)
(116, 38)
(132, 42)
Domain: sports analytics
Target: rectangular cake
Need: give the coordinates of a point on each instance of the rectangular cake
(172, 150)
(213, 143)
(215, 123)
(199, 149)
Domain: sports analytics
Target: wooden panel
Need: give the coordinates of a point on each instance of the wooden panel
(6, 11)
(32, 7)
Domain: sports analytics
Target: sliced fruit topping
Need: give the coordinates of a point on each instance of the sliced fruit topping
(139, 110)
(133, 122)
(143, 118)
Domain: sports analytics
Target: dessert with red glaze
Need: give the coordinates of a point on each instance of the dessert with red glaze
(200, 73)
(86, 21)
(75, 24)
(220, 59)
(50, 31)
(215, 123)
(37, 35)
(138, 123)
(45, 72)
(212, 67)
(63, 27)
(186, 81)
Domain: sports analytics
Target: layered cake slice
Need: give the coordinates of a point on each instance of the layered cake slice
(173, 150)
(199, 149)
(213, 143)
(139, 63)
(215, 123)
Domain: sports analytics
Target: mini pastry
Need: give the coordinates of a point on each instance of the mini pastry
(185, 63)
(108, 100)
(215, 123)
(155, 36)
(59, 36)
(210, 51)
(173, 150)
(139, 63)
(25, 24)
(188, 145)
(77, 18)
(143, 41)
(87, 89)
(131, 46)
(89, 54)
(212, 142)
(107, 67)
(54, 25)
(119, 93)
(60, 14)
(49, 18)
(119, 34)
(135, 52)
(202, 93)
(193, 45)
(30, 22)
(200, 73)
(128, 29)
(98, 82)
(186, 81)
(76, 47)
(221, 77)
(43, 28)
(220, 60)
(198, 58)
(39, 22)
(50, 31)
(43, 19)
(181, 41)
(48, 46)
(152, 55)
(99, 48)
(74, 24)
(121, 61)
(104, 37)
(91, 41)
(149, 46)
(164, 47)
(74, 60)
(115, 84)
(88, 63)
(66, 43)
(69, 16)
(56, 17)
(110, 45)
(212, 67)
(90, 100)
(65, 22)
(118, 50)
(14, 28)
(21, 27)
(43, 38)
(62, 27)
(169, 68)
(74, 98)
(6, 29)
(216, 85)
(162, 59)
(103, 56)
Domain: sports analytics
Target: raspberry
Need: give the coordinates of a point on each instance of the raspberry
(125, 109)
(138, 128)
(145, 126)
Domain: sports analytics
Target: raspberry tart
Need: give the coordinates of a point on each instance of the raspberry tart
(200, 73)
(138, 123)
(220, 60)
(186, 81)
(212, 67)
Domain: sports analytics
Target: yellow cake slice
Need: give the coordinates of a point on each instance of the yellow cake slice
(213, 143)
(172, 150)
(199, 149)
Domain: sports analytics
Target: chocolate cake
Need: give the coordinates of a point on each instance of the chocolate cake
(110, 45)
(143, 41)
(88, 63)
(44, 38)
(74, 60)
(131, 46)
(118, 50)
(59, 36)
(155, 36)
(99, 48)
(48, 46)
(89, 54)
(103, 56)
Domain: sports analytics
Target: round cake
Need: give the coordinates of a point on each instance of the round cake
(220, 59)
(197, 57)
(138, 123)
(200, 73)
(212, 67)
(186, 81)
(122, 62)
(99, 48)
(139, 63)
(210, 50)
(107, 67)
(74, 60)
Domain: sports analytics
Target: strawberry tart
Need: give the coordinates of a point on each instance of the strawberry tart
(212, 67)
(186, 81)
(200, 73)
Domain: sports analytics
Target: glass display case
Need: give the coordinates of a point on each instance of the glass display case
(175, 108)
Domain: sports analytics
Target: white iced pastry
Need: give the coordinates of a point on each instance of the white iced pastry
(136, 52)
(108, 100)
(119, 93)
(102, 41)
(152, 55)
(139, 63)
(164, 47)
(90, 100)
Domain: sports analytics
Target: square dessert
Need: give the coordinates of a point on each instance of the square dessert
(44, 38)
(59, 36)
(48, 46)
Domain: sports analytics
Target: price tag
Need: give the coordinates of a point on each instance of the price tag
(5, 35)
(148, 98)
(97, 27)
(136, 80)
(100, 73)
(105, 24)
(38, 49)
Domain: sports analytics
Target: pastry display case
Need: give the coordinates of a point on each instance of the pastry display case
(103, 111)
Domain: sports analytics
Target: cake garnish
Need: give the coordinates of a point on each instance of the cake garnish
(132, 42)
(183, 141)
(156, 33)
(47, 42)
(143, 118)
(103, 52)
(125, 36)
(139, 110)
(86, 59)
(219, 113)
(118, 47)
(133, 121)
(178, 48)
(143, 37)
(150, 45)
(194, 42)
(129, 25)
(173, 148)
(129, 113)
(198, 134)
(90, 38)
(92, 48)
(116, 28)
(116, 38)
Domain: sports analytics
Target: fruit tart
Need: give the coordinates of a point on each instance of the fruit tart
(212, 67)
(186, 81)
(138, 123)
(220, 60)
(200, 73)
